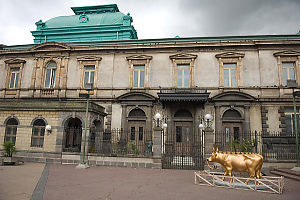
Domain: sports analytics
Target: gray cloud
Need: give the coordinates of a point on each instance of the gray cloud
(162, 18)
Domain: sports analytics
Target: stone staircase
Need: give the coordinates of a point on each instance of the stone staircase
(287, 173)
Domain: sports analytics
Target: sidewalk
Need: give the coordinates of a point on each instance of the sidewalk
(18, 182)
(113, 183)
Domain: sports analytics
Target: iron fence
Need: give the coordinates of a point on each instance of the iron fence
(274, 146)
(120, 142)
(182, 150)
(279, 146)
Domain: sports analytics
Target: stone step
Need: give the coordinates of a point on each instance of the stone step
(286, 175)
(289, 171)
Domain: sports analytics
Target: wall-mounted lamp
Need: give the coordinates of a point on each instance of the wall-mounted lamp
(48, 128)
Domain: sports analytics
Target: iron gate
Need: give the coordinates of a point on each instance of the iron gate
(182, 149)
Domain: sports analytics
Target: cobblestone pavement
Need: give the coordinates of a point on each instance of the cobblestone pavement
(113, 183)
(19, 182)
(38, 181)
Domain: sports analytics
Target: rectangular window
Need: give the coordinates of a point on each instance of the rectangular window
(89, 74)
(288, 72)
(14, 77)
(50, 78)
(139, 76)
(183, 75)
(132, 133)
(289, 120)
(230, 77)
(141, 131)
(178, 133)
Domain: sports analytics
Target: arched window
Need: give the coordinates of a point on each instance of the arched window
(38, 132)
(231, 114)
(137, 113)
(50, 75)
(183, 113)
(11, 130)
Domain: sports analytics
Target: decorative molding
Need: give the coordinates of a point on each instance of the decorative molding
(139, 57)
(15, 61)
(89, 58)
(50, 46)
(233, 96)
(183, 56)
(136, 96)
(287, 53)
(230, 55)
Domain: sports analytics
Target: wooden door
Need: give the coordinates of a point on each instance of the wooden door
(136, 136)
(233, 131)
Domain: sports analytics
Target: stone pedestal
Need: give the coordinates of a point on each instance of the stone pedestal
(157, 146)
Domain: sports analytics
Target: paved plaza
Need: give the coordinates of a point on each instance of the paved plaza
(54, 181)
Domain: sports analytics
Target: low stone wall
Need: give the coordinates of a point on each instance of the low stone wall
(121, 162)
(93, 160)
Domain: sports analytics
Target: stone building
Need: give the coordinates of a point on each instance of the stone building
(240, 80)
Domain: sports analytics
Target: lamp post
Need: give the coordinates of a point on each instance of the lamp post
(293, 84)
(88, 88)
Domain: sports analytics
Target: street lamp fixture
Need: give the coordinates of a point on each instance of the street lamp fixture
(88, 87)
(157, 119)
(293, 84)
(207, 122)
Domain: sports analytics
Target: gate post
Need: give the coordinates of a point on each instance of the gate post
(157, 146)
(209, 141)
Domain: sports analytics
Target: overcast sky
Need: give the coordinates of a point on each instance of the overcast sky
(162, 18)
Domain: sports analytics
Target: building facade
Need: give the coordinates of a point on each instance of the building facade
(241, 81)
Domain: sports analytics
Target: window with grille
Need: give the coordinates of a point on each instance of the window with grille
(11, 131)
(288, 72)
(50, 75)
(38, 133)
(290, 121)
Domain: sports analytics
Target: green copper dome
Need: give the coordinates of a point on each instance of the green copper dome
(90, 23)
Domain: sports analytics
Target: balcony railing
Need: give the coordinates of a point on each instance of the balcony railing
(182, 90)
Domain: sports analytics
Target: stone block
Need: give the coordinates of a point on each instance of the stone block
(142, 165)
(134, 165)
(106, 163)
(127, 164)
(148, 165)
(100, 163)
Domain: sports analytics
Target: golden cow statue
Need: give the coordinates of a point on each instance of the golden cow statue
(237, 161)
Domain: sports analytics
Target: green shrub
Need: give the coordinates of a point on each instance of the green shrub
(9, 149)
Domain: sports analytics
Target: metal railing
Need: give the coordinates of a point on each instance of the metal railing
(119, 142)
(274, 146)
(182, 90)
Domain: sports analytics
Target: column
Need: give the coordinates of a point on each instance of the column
(209, 141)
(247, 120)
(157, 136)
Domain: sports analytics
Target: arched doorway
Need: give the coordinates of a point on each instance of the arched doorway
(73, 135)
(96, 137)
(136, 136)
(232, 123)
